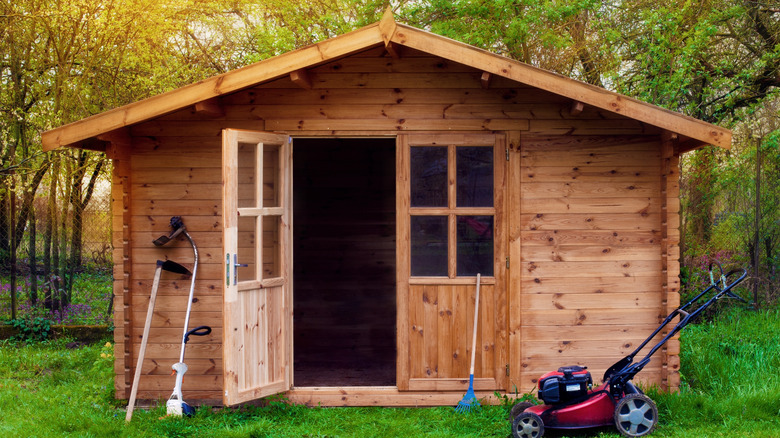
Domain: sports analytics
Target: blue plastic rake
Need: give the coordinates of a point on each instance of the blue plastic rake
(469, 400)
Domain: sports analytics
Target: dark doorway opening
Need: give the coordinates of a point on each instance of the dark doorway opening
(344, 276)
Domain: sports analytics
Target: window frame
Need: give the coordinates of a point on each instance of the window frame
(452, 211)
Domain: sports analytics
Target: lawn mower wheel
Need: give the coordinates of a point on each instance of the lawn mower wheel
(527, 425)
(636, 415)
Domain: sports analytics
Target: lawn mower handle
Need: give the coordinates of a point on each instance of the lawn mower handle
(624, 370)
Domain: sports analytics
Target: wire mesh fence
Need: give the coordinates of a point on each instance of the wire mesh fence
(57, 272)
(730, 202)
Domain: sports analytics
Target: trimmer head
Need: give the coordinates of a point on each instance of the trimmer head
(178, 227)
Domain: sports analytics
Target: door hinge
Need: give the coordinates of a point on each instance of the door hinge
(507, 262)
(507, 154)
(507, 370)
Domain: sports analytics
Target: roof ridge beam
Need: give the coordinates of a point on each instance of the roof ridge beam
(388, 27)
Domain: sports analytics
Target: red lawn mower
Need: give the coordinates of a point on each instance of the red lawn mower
(571, 401)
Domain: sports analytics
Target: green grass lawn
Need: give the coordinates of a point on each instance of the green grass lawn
(731, 374)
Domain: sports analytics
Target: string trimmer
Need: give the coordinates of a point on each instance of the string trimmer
(176, 404)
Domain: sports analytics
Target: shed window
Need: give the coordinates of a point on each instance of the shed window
(452, 210)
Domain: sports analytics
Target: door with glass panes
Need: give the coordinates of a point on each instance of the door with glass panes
(451, 228)
(257, 306)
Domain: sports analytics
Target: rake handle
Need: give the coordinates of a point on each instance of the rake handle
(474, 335)
(144, 340)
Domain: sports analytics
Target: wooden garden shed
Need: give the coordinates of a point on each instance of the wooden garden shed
(365, 181)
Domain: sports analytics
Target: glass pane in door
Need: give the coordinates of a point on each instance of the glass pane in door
(429, 246)
(428, 176)
(475, 245)
(474, 176)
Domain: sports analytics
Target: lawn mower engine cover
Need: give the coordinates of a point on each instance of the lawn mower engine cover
(567, 384)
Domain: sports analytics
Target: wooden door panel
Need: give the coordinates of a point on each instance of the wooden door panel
(257, 304)
(436, 313)
(441, 318)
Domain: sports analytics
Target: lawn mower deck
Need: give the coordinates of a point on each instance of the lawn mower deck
(571, 401)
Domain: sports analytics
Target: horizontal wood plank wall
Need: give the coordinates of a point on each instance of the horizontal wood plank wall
(372, 93)
(178, 175)
(589, 238)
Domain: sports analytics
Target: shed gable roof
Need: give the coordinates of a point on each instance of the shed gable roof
(392, 35)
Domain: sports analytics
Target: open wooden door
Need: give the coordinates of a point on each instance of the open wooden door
(257, 310)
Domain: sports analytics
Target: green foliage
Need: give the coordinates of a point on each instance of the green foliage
(733, 354)
(31, 330)
(561, 37)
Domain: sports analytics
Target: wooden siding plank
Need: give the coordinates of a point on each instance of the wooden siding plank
(441, 385)
(580, 253)
(585, 160)
(591, 174)
(591, 127)
(390, 96)
(336, 110)
(591, 205)
(597, 221)
(580, 189)
(638, 268)
(588, 285)
(585, 333)
(291, 125)
(597, 317)
(594, 144)
(563, 300)
(590, 237)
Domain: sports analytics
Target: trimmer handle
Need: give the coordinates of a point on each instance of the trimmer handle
(176, 222)
(197, 331)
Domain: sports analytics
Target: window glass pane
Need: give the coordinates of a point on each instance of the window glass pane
(271, 249)
(428, 176)
(475, 245)
(474, 176)
(429, 246)
(271, 180)
(247, 230)
(247, 171)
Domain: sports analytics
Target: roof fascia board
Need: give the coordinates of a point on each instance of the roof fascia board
(552, 82)
(235, 80)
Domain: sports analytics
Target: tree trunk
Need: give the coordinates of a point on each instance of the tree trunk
(63, 241)
(702, 194)
(5, 226)
(33, 262)
(50, 235)
(12, 255)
